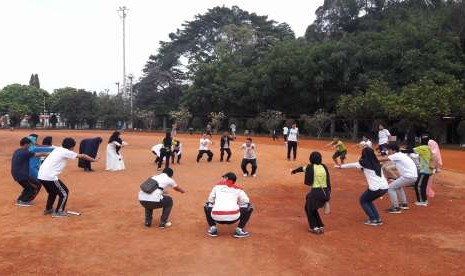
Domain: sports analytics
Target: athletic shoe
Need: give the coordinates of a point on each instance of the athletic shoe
(165, 224)
(240, 233)
(421, 203)
(213, 231)
(48, 212)
(59, 214)
(24, 203)
(394, 210)
(403, 206)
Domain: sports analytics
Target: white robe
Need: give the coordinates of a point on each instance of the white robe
(114, 160)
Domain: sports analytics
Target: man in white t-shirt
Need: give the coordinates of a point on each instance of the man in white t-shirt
(383, 139)
(407, 175)
(249, 157)
(157, 199)
(227, 204)
(52, 166)
(204, 147)
(292, 142)
(285, 132)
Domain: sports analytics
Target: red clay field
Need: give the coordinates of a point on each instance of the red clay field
(109, 237)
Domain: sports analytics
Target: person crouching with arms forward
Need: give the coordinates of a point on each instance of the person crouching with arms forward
(227, 204)
(317, 177)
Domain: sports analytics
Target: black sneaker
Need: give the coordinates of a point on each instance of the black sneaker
(394, 210)
(403, 206)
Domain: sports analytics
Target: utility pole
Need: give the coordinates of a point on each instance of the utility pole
(123, 11)
(130, 77)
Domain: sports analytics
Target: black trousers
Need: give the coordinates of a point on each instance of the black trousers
(166, 203)
(420, 187)
(164, 154)
(246, 212)
(291, 145)
(54, 189)
(314, 200)
(173, 155)
(30, 190)
(228, 151)
(202, 152)
(249, 161)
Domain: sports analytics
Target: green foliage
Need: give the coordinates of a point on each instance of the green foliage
(317, 123)
(271, 119)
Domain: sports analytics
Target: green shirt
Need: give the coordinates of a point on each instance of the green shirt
(425, 157)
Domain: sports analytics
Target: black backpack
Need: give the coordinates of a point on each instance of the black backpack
(149, 185)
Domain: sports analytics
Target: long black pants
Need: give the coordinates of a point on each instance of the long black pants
(228, 151)
(291, 145)
(246, 212)
(30, 190)
(54, 189)
(249, 161)
(166, 203)
(164, 154)
(314, 200)
(420, 187)
(202, 152)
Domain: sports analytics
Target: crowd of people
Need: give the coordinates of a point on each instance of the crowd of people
(389, 172)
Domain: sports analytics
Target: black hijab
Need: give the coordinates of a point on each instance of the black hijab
(370, 161)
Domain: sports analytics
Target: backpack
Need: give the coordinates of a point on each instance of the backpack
(149, 185)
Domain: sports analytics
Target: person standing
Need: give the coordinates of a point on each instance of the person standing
(317, 177)
(165, 151)
(157, 199)
(20, 162)
(293, 133)
(285, 132)
(377, 184)
(407, 175)
(227, 204)
(205, 148)
(383, 139)
(426, 169)
(115, 160)
(89, 147)
(54, 165)
(249, 157)
(225, 145)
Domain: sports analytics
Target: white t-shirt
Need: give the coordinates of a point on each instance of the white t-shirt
(383, 136)
(249, 151)
(285, 130)
(293, 133)
(157, 149)
(204, 143)
(375, 182)
(366, 144)
(55, 163)
(226, 201)
(164, 181)
(404, 164)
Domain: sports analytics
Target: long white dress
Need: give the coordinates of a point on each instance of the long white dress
(114, 160)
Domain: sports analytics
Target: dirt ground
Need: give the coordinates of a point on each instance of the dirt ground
(109, 238)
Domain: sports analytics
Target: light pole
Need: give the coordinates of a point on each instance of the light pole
(130, 77)
(123, 11)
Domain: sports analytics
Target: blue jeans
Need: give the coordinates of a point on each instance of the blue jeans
(366, 201)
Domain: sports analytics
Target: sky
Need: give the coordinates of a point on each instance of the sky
(78, 43)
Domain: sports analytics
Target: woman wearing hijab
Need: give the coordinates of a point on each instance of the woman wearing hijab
(317, 177)
(433, 145)
(377, 184)
(114, 160)
(89, 147)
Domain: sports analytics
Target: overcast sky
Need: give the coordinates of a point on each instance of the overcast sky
(78, 43)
